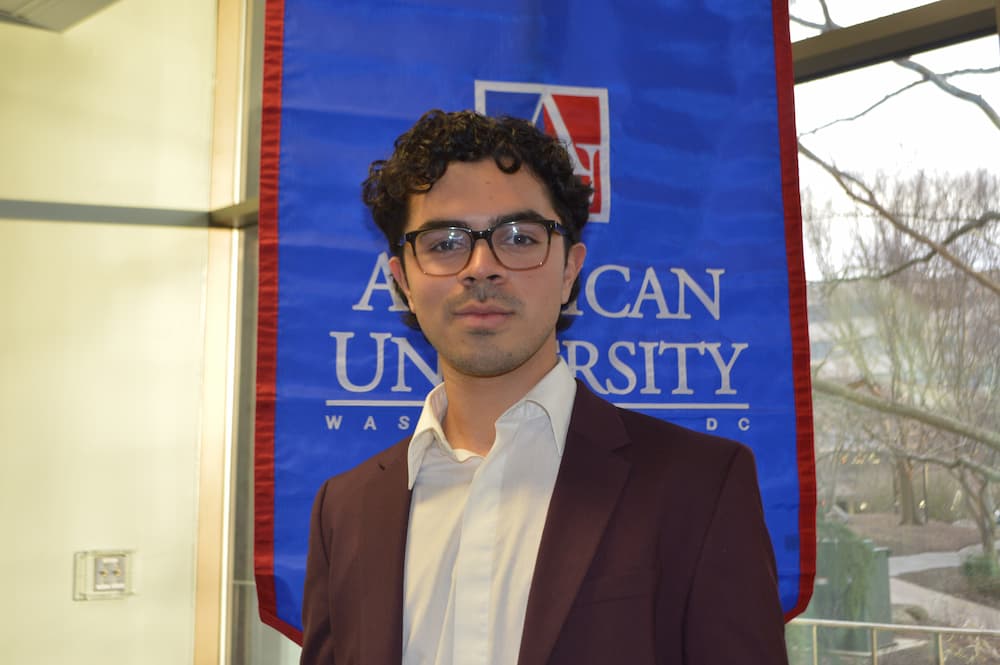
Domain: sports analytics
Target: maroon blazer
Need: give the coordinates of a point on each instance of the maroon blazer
(654, 551)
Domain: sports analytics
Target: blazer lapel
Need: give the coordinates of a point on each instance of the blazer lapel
(385, 514)
(591, 477)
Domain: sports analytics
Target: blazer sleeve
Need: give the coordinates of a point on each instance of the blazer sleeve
(317, 642)
(734, 613)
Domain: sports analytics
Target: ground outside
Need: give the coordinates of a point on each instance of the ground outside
(928, 588)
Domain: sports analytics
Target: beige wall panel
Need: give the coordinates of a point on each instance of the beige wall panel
(117, 110)
(101, 362)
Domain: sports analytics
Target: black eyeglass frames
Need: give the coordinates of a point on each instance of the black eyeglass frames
(517, 245)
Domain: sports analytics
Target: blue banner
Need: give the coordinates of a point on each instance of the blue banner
(692, 305)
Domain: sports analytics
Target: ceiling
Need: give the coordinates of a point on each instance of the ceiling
(55, 15)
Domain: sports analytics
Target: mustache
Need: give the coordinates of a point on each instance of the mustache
(481, 292)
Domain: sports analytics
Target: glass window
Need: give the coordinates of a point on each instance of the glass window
(901, 206)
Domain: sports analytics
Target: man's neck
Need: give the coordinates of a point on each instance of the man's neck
(475, 404)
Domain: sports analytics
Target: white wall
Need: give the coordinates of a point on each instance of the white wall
(102, 329)
(100, 350)
(114, 111)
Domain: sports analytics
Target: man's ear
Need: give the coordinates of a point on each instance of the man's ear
(399, 274)
(574, 264)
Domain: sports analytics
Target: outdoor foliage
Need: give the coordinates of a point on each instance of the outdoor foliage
(981, 572)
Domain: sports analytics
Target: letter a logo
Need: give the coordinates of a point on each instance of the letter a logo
(577, 116)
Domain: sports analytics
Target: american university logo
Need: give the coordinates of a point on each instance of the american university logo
(578, 116)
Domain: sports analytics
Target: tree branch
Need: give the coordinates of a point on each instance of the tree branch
(964, 462)
(808, 24)
(913, 84)
(826, 16)
(951, 89)
(946, 423)
(977, 70)
(847, 182)
(971, 225)
(866, 111)
(977, 223)
(827, 24)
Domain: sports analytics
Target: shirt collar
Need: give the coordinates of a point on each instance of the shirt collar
(554, 394)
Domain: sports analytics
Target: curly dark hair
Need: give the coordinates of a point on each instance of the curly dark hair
(422, 154)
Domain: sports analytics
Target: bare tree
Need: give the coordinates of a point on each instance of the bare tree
(914, 315)
(861, 193)
(915, 336)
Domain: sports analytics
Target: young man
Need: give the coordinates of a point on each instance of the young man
(526, 520)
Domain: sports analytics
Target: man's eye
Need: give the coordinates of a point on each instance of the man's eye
(443, 244)
(449, 245)
(521, 235)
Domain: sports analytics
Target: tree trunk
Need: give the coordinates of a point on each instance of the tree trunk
(980, 504)
(945, 423)
(908, 512)
(988, 525)
(834, 474)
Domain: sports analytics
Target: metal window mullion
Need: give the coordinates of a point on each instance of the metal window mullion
(898, 35)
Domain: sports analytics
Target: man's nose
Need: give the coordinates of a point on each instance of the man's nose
(483, 263)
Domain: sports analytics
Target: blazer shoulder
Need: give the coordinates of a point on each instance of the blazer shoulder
(355, 478)
(648, 428)
(652, 438)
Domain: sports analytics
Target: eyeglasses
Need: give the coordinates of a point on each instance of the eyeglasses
(516, 245)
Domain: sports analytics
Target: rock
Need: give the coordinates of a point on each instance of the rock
(909, 615)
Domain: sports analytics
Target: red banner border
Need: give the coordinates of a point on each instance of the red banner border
(267, 322)
(797, 305)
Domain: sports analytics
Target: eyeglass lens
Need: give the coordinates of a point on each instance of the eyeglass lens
(517, 245)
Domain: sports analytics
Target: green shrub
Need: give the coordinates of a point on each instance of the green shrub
(983, 573)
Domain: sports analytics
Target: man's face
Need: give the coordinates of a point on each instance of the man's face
(488, 320)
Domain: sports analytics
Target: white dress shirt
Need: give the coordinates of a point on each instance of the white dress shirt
(475, 525)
